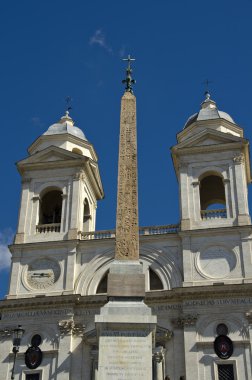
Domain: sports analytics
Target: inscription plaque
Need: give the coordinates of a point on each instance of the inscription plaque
(125, 355)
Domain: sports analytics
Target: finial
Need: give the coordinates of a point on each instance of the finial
(129, 81)
(207, 93)
(68, 104)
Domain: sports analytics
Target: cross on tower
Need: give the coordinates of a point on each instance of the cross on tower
(69, 103)
(206, 83)
(129, 81)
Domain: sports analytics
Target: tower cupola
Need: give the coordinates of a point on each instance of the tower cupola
(212, 164)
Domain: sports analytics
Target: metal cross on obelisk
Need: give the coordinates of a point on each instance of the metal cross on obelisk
(129, 81)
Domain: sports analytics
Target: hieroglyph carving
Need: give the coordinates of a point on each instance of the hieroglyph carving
(127, 241)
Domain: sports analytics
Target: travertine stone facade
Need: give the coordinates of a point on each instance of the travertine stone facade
(198, 274)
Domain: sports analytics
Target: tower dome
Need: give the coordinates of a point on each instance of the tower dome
(208, 111)
(65, 125)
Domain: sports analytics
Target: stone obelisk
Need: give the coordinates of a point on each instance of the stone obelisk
(126, 278)
(125, 325)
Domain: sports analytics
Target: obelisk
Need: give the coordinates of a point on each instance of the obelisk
(125, 325)
(126, 278)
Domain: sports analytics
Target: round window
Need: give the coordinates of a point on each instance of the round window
(36, 340)
(222, 329)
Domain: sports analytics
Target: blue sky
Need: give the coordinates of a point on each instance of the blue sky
(54, 49)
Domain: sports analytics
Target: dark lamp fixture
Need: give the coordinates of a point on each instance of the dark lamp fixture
(17, 336)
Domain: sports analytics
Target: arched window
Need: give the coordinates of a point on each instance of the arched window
(86, 216)
(103, 285)
(50, 207)
(155, 282)
(212, 197)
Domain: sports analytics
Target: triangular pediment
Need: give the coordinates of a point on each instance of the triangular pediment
(51, 154)
(208, 137)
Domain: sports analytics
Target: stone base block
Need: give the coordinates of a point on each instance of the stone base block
(126, 285)
(126, 279)
(125, 330)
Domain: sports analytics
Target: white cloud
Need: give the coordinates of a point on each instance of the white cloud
(98, 38)
(6, 237)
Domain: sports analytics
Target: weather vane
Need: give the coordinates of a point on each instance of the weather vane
(68, 103)
(129, 81)
(206, 83)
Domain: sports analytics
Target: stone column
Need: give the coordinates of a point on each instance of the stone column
(64, 359)
(70, 270)
(94, 364)
(191, 361)
(158, 363)
(248, 348)
(15, 274)
(187, 260)
(75, 206)
(19, 238)
(226, 182)
(241, 189)
(34, 214)
(63, 213)
(184, 197)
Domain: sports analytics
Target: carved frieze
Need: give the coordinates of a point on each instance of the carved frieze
(6, 332)
(186, 320)
(70, 327)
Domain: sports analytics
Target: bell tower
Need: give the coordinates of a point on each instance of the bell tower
(61, 185)
(212, 165)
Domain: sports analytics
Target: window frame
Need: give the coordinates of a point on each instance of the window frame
(225, 362)
(32, 372)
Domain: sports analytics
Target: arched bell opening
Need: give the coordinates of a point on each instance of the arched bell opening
(86, 216)
(50, 211)
(212, 197)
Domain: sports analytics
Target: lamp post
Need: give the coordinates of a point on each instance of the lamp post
(17, 336)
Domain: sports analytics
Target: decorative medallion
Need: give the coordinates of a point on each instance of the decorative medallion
(216, 262)
(42, 273)
(33, 357)
(223, 346)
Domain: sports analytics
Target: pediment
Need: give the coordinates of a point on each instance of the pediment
(208, 137)
(50, 154)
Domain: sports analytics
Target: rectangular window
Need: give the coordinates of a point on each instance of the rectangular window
(32, 376)
(226, 372)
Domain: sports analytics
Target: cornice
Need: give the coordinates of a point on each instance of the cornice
(199, 293)
(211, 122)
(75, 300)
(209, 148)
(218, 230)
(64, 137)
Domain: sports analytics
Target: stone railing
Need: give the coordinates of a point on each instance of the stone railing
(213, 214)
(110, 234)
(45, 228)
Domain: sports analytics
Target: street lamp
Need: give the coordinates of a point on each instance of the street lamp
(17, 336)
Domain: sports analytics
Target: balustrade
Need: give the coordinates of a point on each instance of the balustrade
(214, 214)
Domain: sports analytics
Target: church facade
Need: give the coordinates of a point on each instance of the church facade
(198, 274)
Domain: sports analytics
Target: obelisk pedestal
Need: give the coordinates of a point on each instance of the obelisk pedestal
(125, 325)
